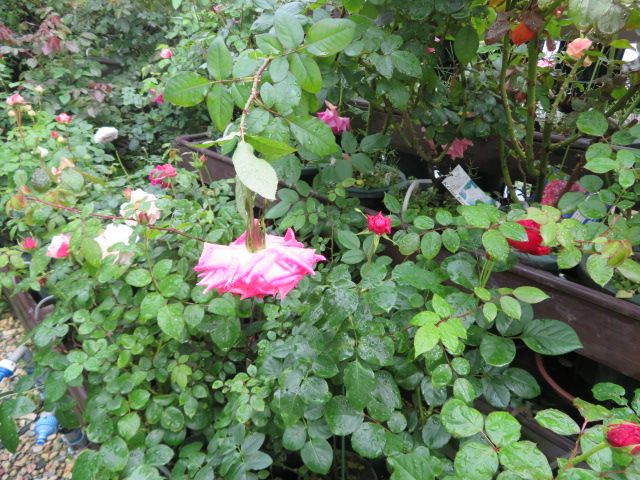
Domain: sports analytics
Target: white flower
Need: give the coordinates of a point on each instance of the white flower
(105, 135)
(112, 235)
(141, 208)
(43, 152)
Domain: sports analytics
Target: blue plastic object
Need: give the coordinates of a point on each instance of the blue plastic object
(5, 373)
(45, 425)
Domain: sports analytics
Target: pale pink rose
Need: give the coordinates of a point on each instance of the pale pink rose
(458, 147)
(111, 236)
(437, 39)
(59, 246)
(141, 208)
(546, 63)
(160, 174)
(166, 53)
(15, 99)
(63, 118)
(277, 268)
(576, 48)
(64, 163)
(337, 123)
(430, 50)
(217, 8)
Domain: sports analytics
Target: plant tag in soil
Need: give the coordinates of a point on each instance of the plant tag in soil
(466, 191)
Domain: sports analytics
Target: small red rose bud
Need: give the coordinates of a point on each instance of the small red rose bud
(379, 224)
(521, 34)
(29, 243)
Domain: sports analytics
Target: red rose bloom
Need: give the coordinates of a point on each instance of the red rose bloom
(29, 243)
(533, 245)
(379, 224)
(161, 173)
(521, 34)
(624, 435)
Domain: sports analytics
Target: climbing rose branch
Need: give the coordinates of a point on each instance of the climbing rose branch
(253, 96)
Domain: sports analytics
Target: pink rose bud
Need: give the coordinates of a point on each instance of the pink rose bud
(63, 118)
(15, 99)
(29, 243)
(275, 269)
(577, 47)
(59, 246)
(159, 100)
(54, 134)
(166, 53)
(626, 434)
(458, 147)
(379, 224)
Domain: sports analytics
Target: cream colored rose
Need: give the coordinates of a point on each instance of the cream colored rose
(141, 208)
(113, 235)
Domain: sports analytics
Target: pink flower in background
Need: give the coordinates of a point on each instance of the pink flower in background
(54, 134)
(166, 53)
(64, 163)
(430, 50)
(379, 224)
(59, 246)
(15, 99)
(161, 173)
(63, 118)
(546, 63)
(337, 123)
(29, 243)
(458, 147)
(159, 99)
(554, 188)
(576, 48)
(278, 268)
(217, 8)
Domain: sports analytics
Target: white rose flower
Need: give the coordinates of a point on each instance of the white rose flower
(141, 208)
(113, 235)
(43, 152)
(105, 135)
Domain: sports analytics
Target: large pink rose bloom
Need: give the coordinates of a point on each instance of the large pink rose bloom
(275, 269)
(554, 188)
(337, 123)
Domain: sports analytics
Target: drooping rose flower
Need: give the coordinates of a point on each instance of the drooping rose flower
(105, 135)
(166, 53)
(141, 208)
(624, 434)
(554, 188)
(59, 246)
(337, 123)
(277, 268)
(379, 224)
(576, 48)
(64, 163)
(112, 235)
(160, 174)
(15, 99)
(458, 147)
(533, 245)
(29, 243)
(63, 118)
(521, 34)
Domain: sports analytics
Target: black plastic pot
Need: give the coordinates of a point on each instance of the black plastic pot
(608, 288)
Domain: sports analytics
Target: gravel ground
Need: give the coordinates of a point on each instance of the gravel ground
(51, 461)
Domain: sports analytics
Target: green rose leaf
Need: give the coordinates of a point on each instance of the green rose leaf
(314, 135)
(128, 425)
(219, 60)
(502, 428)
(593, 123)
(306, 71)
(138, 277)
(288, 29)
(186, 89)
(114, 454)
(359, 382)
(550, 337)
(329, 36)
(476, 461)
(317, 455)
(530, 294)
(341, 417)
(466, 44)
(369, 440)
(557, 422)
(525, 460)
(495, 244)
(220, 106)
(460, 420)
(497, 351)
(255, 173)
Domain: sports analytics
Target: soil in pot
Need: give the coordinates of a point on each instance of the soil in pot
(371, 189)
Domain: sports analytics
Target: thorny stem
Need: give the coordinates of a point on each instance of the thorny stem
(505, 99)
(506, 175)
(253, 96)
(532, 53)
